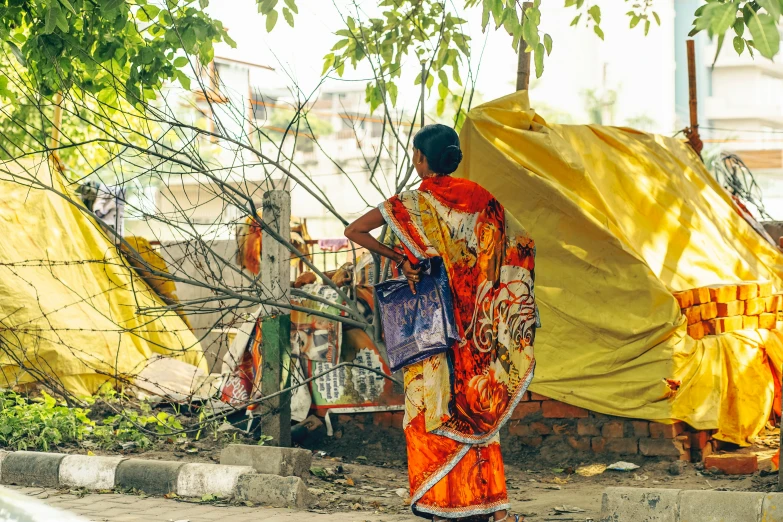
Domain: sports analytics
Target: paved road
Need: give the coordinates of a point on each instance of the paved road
(128, 508)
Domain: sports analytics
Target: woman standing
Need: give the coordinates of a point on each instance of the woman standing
(456, 402)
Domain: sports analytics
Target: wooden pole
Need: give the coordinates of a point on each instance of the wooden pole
(692, 132)
(276, 328)
(55, 138)
(523, 58)
(423, 86)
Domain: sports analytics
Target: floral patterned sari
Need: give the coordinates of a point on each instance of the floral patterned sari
(457, 402)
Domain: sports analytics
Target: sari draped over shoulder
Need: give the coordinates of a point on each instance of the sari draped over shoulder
(457, 402)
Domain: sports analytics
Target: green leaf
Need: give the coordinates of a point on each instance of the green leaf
(289, 17)
(68, 6)
(576, 20)
(430, 81)
(108, 95)
(766, 37)
(203, 3)
(189, 39)
(51, 18)
(271, 20)
(328, 63)
(266, 6)
(548, 44)
(646, 27)
(111, 5)
(440, 106)
(595, 13)
(599, 32)
(292, 6)
(772, 7)
(391, 88)
(539, 59)
(723, 18)
(455, 74)
(739, 44)
(635, 21)
(443, 79)
(443, 91)
(657, 18)
(739, 26)
(340, 44)
(721, 38)
(181, 61)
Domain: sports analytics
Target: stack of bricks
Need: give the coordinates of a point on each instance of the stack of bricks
(722, 309)
(539, 421)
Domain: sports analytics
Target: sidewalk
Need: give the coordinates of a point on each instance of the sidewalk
(114, 507)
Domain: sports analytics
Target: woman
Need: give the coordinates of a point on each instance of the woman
(456, 402)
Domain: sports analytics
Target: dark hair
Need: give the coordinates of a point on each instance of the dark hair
(440, 145)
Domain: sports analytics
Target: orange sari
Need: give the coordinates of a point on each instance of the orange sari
(457, 402)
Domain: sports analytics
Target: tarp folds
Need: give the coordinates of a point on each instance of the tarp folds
(69, 301)
(621, 219)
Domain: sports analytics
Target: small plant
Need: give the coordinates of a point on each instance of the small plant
(40, 423)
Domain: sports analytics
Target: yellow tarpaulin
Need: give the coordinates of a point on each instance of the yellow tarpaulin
(621, 219)
(69, 303)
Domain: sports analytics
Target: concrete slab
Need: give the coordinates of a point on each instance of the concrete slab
(772, 509)
(275, 491)
(30, 468)
(82, 471)
(720, 506)
(197, 480)
(150, 476)
(269, 460)
(639, 505)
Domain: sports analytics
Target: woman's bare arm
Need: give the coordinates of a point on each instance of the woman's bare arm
(359, 233)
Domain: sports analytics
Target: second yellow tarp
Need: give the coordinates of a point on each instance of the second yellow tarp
(621, 219)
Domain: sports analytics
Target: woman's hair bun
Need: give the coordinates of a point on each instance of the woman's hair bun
(449, 160)
(440, 145)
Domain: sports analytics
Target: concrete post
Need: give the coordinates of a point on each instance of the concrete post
(276, 328)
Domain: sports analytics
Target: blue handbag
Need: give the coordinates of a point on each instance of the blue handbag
(417, 326)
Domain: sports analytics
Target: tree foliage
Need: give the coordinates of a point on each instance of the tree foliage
(433, 32)
(107, 47)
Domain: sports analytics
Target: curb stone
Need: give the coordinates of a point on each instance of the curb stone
(27, 468)
(673, 505)
(269, 460)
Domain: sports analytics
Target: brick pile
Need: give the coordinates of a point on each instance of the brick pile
(539, 421)
(720, 309)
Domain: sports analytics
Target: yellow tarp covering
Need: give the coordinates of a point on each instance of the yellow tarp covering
(68, 301)
(621, 219)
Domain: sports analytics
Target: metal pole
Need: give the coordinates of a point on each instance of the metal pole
(523, 59)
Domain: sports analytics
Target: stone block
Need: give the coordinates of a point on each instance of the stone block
(730, 324)
(622, 446)
(641, 429)
(765, 289)
(581, 444)
(720, 506)
(684, 299)
(733, 463)
(696, 331)
(772, 508)
(154, 477)
(747, 291)
(539, 428)
(536, 397)
(274, 490)
(750, 322)
(82, 471)
(708, 311)
(663, 448)
(598, 444)
(700, 439)
(519, 429)
(639, 505)
(561, 410)
(767, 321)
(269, 460)
(30, 468)
(693, 315)
(197, 479)
(754, 306)
(666, 431)
(587, 428)
(723, 293)
(712, 327)
(613, 430)
(525, 410)
(701, 295)
(731, 309)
